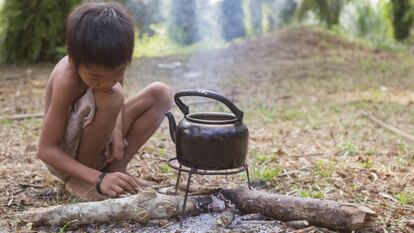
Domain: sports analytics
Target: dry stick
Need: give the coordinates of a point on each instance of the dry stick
(389, 127)
(21, 116)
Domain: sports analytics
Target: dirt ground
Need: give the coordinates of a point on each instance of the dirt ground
(304, 93)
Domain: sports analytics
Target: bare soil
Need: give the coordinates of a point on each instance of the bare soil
(303, 91)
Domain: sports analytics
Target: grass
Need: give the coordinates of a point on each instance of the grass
(349, 148)
(405, 197)
(324, 168)
(312, 194)
(6, 122)
(292, 115)
(164, 168)
(267, 173)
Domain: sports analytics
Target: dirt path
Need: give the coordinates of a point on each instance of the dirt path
(303, 92)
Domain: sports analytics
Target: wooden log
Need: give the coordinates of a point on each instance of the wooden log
(324, 213)
(141, 208)
(151, 205)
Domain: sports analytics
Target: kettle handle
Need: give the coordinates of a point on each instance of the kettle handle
(208, 94)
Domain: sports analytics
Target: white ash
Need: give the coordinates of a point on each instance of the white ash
(196, 224)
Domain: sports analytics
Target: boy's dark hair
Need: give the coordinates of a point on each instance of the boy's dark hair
(100, 34)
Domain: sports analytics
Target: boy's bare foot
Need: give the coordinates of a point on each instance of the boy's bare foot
(82, 190)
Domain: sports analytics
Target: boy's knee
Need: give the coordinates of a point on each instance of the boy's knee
(111, 99)
(162, 94)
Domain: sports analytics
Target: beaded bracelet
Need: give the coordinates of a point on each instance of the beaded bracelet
(99, 181)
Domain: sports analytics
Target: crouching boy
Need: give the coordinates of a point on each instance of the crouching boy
(90, 133)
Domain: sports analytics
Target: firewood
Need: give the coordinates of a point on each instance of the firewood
(324, 213)
(141, 208)
(151, 205)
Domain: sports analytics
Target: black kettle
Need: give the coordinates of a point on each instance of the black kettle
(209, 140)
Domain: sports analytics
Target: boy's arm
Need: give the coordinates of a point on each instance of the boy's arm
(53, 130)
(118, 145)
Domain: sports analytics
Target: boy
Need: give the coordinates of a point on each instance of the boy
(89, 135)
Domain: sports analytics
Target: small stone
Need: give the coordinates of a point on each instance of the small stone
(410, 223)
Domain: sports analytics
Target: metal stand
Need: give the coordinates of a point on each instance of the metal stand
(192, 171)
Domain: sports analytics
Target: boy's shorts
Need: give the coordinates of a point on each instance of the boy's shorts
(80, 115)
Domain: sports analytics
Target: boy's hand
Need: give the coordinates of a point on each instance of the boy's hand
(113, 184)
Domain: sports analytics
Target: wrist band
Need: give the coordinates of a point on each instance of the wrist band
(99, 181)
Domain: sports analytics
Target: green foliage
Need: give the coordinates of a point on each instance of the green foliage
(161, 45)
(405, 198)
(311, 194)
(268, 173)
(367, 163)
(328, 11)
(34, 30)
(324, 168)
(349, 148)
(364, 20)
(164, 168)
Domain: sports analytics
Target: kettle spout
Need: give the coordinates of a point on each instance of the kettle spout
(172, 124)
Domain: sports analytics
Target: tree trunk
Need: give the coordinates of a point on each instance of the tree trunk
(324, 213)
(401, 18)
(183, 28)
(151, 205)
(232, 19)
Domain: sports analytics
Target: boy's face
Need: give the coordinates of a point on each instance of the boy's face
(101, 78)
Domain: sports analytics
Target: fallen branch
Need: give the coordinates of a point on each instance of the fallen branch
(21, 116)
(141, 208)
(389, 127)
(324, 213)
(152, 205)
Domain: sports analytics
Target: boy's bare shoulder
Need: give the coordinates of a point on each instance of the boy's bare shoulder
(65, 80)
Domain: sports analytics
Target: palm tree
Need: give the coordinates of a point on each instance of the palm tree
(402, 18)
(183, 28)
(34, 30)
(232, 19)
